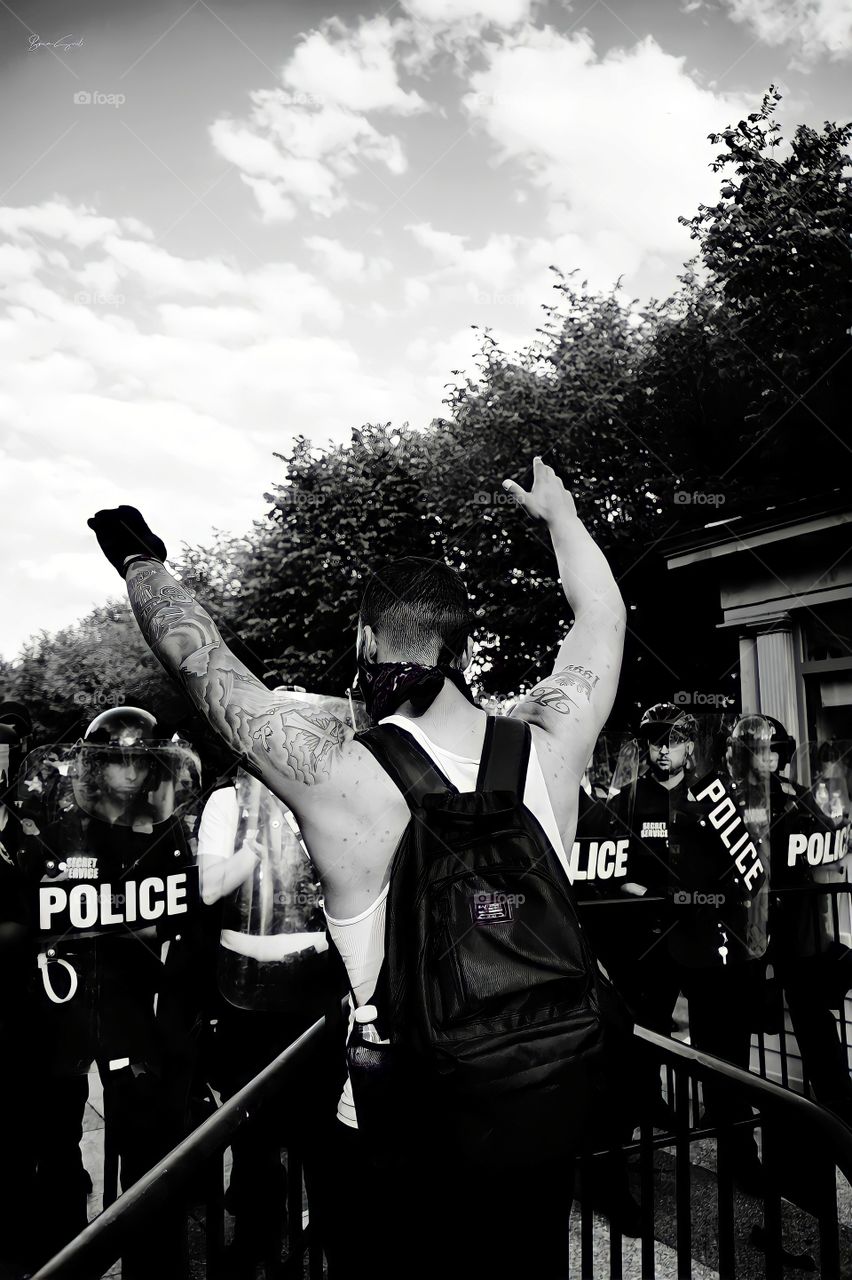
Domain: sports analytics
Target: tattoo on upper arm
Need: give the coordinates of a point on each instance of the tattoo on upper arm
(281, 736)
(554, 692)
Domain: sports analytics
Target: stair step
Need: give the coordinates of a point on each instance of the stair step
(665, 1258)
(800, 1231)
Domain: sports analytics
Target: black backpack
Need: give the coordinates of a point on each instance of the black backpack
(507, 1044)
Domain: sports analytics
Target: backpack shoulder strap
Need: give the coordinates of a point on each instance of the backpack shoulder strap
(505, 755)
(405, 761)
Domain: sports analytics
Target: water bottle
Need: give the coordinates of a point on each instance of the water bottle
(365, 1019)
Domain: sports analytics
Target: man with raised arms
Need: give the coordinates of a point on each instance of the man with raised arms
(413, 644)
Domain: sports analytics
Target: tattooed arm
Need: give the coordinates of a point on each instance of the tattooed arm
(289, 745)
(572, 703)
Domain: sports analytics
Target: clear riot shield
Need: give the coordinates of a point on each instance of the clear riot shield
(821, 842)
(273, 952)
(137, 787)
(598, 859)
(721, 827)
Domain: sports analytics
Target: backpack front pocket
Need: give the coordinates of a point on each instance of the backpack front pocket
(499, 940)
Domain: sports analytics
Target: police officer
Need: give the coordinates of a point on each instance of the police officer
(112, 893)
(720, 862)
(644, 968)
(803, 839)
(272, 976)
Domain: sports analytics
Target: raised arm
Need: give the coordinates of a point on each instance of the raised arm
(291, 746)
(572, 703)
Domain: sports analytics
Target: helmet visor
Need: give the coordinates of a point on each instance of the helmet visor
(135, 787)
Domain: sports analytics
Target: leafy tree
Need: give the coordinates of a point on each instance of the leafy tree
(337, 514)
(573, 397)
(776, 247)
(67, 678)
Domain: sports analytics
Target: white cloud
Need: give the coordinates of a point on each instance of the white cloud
(813, 28)
(499, 13)
(354, 69)
(346, 265)
(16, 262)
(302, 155)
(79, 226)
(495, 263)
(617, 143)
(302, 142)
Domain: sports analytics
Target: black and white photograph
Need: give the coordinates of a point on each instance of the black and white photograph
(426, 643)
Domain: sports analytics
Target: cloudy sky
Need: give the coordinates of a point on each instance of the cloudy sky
(223, 224)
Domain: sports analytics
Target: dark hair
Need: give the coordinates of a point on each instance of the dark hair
(419, 608)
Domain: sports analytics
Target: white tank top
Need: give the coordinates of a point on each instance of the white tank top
(361, 939)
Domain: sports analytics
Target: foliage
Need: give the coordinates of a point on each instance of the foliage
(776, 247)
(102, 661)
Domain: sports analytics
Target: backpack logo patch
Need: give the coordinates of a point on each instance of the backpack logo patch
(493, 908)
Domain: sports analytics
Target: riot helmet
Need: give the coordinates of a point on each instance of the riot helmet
(668, 734)
(749, 747)
(122, 728)
(123, 771)
(782, 744)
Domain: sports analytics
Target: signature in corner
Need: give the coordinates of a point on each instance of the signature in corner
(65, 42)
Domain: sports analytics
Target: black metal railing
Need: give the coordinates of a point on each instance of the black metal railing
(802, 1148)
(201, 1156)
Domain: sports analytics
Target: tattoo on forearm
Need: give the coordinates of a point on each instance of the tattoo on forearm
(553, 692)
(280, 735)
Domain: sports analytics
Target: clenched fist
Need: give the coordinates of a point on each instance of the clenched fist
(122, 532)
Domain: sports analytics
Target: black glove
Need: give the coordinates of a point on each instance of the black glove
(122, 532)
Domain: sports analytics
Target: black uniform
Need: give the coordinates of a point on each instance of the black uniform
(798, 939)
(113, 913)
(719, 936)
(642, 965)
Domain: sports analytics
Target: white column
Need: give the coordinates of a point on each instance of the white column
(776, 671)
(749, 687)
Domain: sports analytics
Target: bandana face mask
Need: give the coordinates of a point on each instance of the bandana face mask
(386, 685)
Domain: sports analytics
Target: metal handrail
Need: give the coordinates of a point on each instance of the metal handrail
(764, 1092)
(100, 1244)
